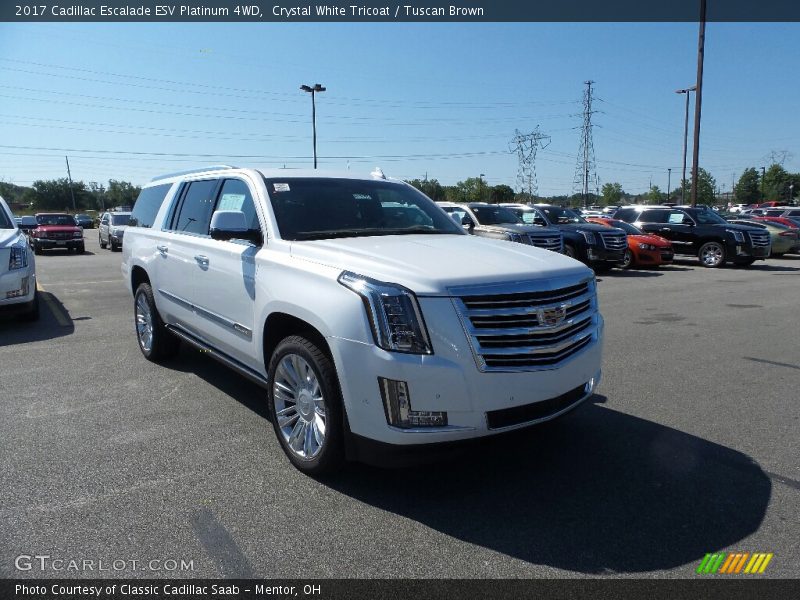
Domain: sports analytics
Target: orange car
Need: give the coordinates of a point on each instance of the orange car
(643, 248)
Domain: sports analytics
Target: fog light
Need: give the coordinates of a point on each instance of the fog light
(397, 405)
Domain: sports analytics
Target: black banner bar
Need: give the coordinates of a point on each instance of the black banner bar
(704, 587)
(404, 11)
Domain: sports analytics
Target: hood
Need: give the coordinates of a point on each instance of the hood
(519, 228)
(655, 240)
(9, 237)
(429, 264)
(585, 227)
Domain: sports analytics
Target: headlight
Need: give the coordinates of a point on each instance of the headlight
(77, 234)
(393, 312)
(589, 236)
(737, 235)
(647, 247)
(18, 258)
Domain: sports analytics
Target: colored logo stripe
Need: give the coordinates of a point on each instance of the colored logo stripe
(721, 562)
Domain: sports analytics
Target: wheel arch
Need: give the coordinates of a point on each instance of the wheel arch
(138, 277)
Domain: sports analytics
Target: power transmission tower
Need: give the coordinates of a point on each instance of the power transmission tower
(526, 145)
(586, 169)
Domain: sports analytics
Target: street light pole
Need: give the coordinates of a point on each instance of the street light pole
(763, 174)
(313, 90)
(669, 181)
(480, 187)
(686, 91)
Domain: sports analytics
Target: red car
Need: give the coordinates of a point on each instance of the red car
(782, 220)
(644, 249)
(56, 230)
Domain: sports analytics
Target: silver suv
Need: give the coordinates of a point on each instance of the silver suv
(112, 229)
(377, 326)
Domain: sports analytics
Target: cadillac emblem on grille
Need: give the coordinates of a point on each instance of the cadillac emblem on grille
(550, 317)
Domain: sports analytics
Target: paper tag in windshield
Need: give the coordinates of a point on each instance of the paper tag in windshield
(280, 187)
(231, 202)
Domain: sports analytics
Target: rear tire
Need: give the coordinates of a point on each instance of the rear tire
(305, 406)
(155, 340)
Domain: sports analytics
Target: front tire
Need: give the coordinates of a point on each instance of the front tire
(570, 251)
(102, 243)
(712, 255)
(627, 260)
(155, 340)
(305, 406)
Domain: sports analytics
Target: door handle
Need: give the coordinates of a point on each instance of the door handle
(162, 250)
(201, 260)
(666, 229)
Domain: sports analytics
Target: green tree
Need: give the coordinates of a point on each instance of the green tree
(430, 187)
(706, 185)
(611, 193)
(121, 193)
(748, 189)
(654, 196)
(501, 193)
(776, 183)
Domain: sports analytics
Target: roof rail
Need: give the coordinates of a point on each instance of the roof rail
(190, 171)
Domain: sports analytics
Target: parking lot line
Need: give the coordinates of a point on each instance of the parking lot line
(58, 312)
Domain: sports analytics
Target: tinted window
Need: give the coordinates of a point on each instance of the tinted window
(556, 214)
(147, 204)
(529, 216)
(494, 215)
(55, 220)
(235, 195)
(656, 216)
(120, 219)
(194, 214)
(5, 222)
(626, 214)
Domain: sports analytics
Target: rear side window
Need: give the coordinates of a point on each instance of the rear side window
(194, 213)
(147, 204)
(655, 216)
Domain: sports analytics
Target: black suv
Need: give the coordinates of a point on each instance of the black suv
(702, 233)
(500, 223)
(598, 246)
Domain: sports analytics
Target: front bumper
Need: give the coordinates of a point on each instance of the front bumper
(598, 254)
(47, 244)
(17, 288)
(478, 404)
(660, 256)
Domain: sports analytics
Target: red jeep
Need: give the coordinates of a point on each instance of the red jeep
(56, 230)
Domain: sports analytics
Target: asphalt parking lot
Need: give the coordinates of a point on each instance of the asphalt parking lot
(691, 446)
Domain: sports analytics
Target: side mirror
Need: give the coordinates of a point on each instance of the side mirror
(467, 222)
(232, 225)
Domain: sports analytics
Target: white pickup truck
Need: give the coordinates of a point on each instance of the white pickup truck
(377, 326)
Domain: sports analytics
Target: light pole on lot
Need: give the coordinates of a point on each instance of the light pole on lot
(669, 181)
(313, 90)
(480, 187)
(686, 91)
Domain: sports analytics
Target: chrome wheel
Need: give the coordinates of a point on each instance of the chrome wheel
(144, 323)
(627, 260)
(712, 254)
(299, 406)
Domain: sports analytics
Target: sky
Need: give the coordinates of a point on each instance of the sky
(438, 100)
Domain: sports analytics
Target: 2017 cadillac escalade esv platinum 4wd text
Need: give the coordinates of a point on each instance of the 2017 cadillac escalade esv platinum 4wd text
(373, 321)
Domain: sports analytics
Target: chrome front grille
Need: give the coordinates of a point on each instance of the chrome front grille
(528, 329)
(614, 241)
(759, 238)
(549, 241)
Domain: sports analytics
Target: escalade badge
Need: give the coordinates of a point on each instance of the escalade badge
(550, 317)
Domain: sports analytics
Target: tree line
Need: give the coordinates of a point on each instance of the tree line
(57, 195)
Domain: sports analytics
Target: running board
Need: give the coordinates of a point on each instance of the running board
(219, 356)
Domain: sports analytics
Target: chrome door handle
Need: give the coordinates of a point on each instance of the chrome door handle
(162, 250)
(201, 260)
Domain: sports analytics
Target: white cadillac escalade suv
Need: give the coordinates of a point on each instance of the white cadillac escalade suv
(378, 327)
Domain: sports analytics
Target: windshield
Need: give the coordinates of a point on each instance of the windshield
(120, 219)
(55, 220)
(5, 222)
(627, 227)
(556, 214)
(708, 217)
(495, 215)
(317, 208)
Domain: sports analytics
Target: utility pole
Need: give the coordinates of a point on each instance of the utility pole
(763, 174)
(526, 145)
(686, 91)
(698, 99)
(71, 193)
(585, 170)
